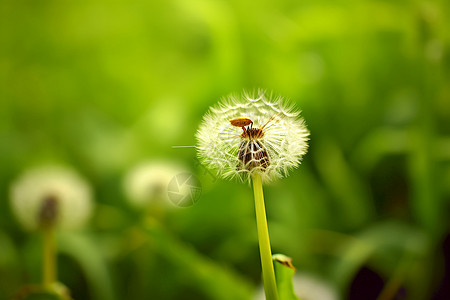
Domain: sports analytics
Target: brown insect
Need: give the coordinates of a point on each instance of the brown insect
(252, 152)
(241, 122)
(249, 131)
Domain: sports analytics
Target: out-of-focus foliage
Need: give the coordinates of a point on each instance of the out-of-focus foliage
(104, 85)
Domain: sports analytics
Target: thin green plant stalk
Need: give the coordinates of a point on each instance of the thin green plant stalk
(49, 258)
(270, 286)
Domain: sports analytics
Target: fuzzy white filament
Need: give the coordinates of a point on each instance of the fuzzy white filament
(243, 151)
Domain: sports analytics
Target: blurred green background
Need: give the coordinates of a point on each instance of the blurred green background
(104, 85)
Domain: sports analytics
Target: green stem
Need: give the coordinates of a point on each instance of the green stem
(49, 268)
(270, 286)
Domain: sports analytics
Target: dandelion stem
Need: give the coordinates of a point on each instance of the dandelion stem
(268, 273)
(49, 268)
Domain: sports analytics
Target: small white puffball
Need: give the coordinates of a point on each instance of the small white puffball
(51, 195)
(147, 182)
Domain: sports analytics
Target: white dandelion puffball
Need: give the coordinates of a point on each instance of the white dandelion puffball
(246, 135)
(147, 182)
(51, 196)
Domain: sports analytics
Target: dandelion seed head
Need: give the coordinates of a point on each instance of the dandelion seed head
(50, 196)
(147, 182)
(272, 145)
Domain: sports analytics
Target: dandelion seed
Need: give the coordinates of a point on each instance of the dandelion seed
(246, 135)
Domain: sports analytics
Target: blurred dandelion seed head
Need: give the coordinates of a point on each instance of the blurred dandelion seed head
(147, 182)
(272, 145)
(51, 196)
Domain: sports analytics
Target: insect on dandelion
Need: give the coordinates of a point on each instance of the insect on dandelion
(243, 136)
(259, 139)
